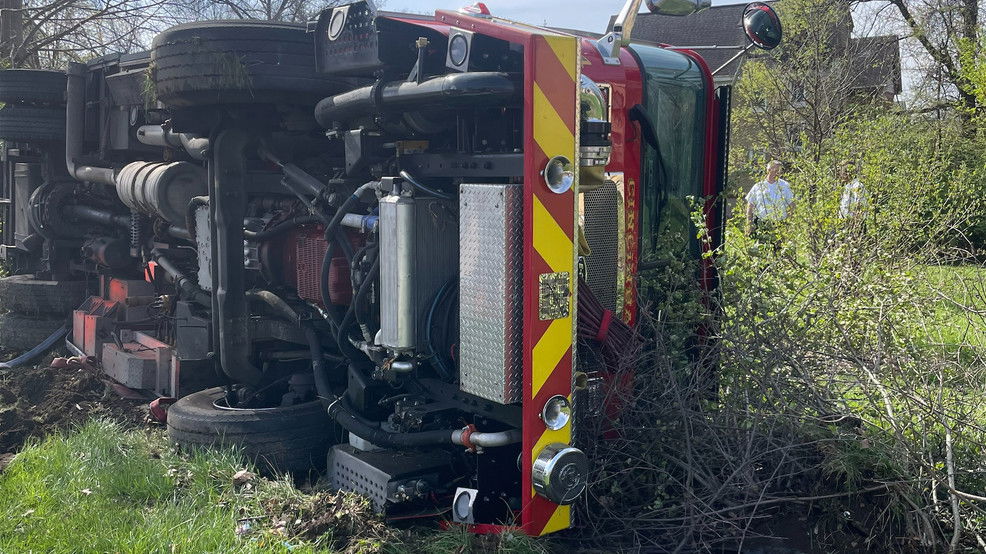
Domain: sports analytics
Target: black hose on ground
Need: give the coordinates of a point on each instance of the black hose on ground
(37, 350)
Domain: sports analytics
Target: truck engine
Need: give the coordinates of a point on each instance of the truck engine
(394, 248)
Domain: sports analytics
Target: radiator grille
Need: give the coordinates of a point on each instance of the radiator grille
(601, 211)
(310, 247)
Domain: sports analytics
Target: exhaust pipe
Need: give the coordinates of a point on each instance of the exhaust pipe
(75, 118)
(458, 90)
(227, 204)
(160, 135)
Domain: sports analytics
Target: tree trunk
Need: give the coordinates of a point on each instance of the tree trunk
(11, 25)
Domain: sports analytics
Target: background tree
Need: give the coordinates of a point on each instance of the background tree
(949, 38)
(821, 76)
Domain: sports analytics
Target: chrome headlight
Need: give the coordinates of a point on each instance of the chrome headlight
(556, 412)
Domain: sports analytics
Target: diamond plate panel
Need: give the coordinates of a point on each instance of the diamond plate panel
(491, 293)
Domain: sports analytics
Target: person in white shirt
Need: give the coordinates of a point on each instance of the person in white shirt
(855, 200)
(769, 201)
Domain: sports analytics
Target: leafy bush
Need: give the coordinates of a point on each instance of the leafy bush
(835, 397)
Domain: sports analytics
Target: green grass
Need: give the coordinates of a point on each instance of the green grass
(103, 489)
(960, 308)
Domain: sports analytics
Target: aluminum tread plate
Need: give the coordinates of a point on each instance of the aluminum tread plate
(491, 293)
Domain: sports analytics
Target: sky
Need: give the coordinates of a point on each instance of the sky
(585, 15)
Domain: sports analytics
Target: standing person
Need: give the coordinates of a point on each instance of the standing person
(768, 203)
(855, 200)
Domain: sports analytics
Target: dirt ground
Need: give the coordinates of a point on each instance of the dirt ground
(37, 400)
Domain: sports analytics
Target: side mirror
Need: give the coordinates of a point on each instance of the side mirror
(761, 25)
(677, 7)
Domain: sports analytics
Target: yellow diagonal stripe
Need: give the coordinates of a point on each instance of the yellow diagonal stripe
(549, 351)
(550, 131)
(559, 520)
(565, 49)
(550, 241)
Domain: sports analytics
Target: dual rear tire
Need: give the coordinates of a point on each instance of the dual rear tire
(34, 105)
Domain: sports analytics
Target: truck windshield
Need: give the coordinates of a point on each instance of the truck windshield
(674, 101)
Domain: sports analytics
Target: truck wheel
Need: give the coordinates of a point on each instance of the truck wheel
(29, 124)
(21, 332)
(213, 62)
(26, 295)
(32, 86)
(283, 439)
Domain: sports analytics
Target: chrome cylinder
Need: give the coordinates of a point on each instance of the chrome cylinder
(397, 299)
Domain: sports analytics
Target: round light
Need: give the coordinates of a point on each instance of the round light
(559, 174)
(458, 49)
(462, 505)
(556, 412)
(337, 22)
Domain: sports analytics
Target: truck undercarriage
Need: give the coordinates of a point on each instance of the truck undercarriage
(407, 245)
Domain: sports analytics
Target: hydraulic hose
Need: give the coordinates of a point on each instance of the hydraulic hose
(189, 288)
(357, 426)
(364, 289)
(282, 227)
(467, 436)
(417, 184)
(276, 304)
(348, 350)
(97, 216)
(318, 365)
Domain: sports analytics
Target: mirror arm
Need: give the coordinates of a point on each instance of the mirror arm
(733, 59)
(609, 45)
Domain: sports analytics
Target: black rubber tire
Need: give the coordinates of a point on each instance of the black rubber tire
(21, 333)
(279, 440)
(26, 295)
(219, 62)
(31, 124)
(32, 86)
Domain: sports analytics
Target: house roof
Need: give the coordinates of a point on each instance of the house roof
(719, 31)
(880, 59)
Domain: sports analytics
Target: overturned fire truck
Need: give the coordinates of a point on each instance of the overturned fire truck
(392, 242)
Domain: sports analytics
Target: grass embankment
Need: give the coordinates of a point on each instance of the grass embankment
(103, 489)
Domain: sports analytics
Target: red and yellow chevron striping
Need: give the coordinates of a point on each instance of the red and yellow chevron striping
(551, 129)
